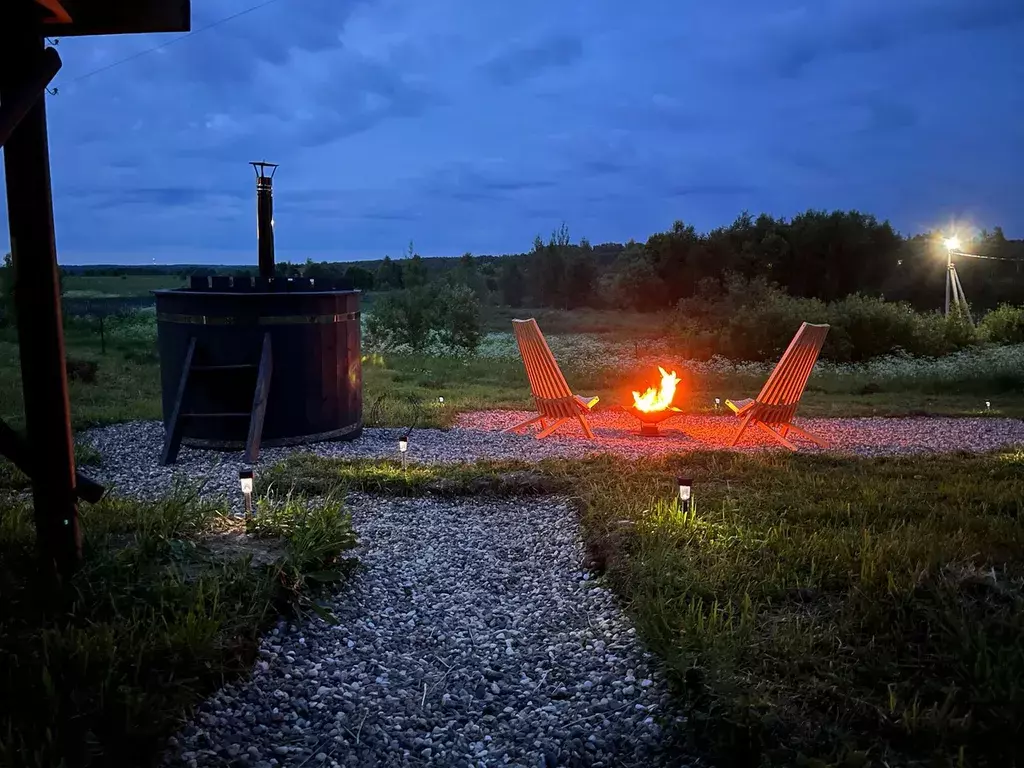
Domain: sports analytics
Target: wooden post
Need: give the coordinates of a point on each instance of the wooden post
(37, 300)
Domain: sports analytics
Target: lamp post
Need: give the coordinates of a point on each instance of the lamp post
(952, 244)
(403, 448)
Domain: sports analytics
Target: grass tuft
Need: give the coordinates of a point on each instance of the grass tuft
(158, 617)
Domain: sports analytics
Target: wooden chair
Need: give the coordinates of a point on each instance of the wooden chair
(555, 401)
(777, 402)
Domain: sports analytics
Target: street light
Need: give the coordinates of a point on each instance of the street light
(953, 285)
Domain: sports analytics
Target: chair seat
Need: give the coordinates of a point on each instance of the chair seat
(738, 406)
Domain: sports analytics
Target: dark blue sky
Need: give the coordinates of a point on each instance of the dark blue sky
(476, 125)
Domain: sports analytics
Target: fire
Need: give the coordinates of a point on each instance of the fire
(657, 399)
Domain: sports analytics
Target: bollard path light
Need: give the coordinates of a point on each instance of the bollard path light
(685, 492)
(403, 447)
(245, 480)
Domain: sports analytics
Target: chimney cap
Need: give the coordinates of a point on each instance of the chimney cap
(260, 167)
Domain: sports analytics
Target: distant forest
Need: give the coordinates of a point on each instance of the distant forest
(820, 254)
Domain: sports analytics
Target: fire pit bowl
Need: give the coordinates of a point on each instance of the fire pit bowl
(649, 420)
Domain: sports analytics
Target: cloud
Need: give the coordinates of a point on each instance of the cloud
(801, 38)
(523, 62)
(395, 121)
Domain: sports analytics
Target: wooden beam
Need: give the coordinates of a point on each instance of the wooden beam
(37, 303)
(14, 447)
(259, 402)
(172, 440)
(16, 106)
(118, 17)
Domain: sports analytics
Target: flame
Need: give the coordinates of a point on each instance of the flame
(657, 399)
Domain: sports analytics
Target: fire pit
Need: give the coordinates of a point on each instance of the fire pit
(655, 405)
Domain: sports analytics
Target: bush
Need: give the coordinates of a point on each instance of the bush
(755, 320)
(1004, 325)
(419, 317)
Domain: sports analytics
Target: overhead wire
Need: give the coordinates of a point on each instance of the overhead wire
(191, 33)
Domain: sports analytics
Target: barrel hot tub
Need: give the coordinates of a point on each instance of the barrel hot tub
(315, 382)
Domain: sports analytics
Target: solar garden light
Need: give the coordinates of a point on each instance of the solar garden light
(440, 400)
(403, 447)
(685, 491)
(988, 405)
(245, 480)
(718, 403)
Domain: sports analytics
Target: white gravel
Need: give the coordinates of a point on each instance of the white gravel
(131, 451)
(471, 638)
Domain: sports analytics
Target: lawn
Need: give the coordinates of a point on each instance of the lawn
(810, 610)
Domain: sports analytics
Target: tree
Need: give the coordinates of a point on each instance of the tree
(389, 275)
(511, 283)
(7, 291)
(414, 271)
(360, 279)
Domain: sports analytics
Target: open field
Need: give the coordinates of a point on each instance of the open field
(400, 387)
(104, 287)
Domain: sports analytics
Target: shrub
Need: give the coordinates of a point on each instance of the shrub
(81, 370)
(1004, 325)
(755, 320)
(418, 317)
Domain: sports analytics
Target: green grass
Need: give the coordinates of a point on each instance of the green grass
(102, 671)
(102, 286)
(404, 391)
(810, 610)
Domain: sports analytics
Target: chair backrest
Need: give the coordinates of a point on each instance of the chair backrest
(546, 379)
(780, 395)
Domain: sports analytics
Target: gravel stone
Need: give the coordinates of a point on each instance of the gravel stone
(479, 577)
(131, 451)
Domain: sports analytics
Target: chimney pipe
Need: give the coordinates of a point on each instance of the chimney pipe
(265, 215)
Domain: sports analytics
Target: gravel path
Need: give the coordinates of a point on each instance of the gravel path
(131, 451)
(472, 638)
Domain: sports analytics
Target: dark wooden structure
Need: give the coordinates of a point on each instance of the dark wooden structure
(26, 68)
(247, 362)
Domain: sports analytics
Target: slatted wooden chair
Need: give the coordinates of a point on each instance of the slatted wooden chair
(773, 409)
(555, 401)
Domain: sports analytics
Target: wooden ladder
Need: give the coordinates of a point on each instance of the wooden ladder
(194, 375)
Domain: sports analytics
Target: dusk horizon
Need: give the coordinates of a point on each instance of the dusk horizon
(466, 128)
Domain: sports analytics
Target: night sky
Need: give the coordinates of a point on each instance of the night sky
(475, 125)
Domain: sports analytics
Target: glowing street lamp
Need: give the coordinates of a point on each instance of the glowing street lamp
(245, 480)
(952, 243)
(685, 493)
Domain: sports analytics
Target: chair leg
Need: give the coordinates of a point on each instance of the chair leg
(768, 430)
(586, 426)
(743, 427)
(526, 423)
(545, 432)
(813, 438)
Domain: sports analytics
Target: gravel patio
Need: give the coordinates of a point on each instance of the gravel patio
(473, 636)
